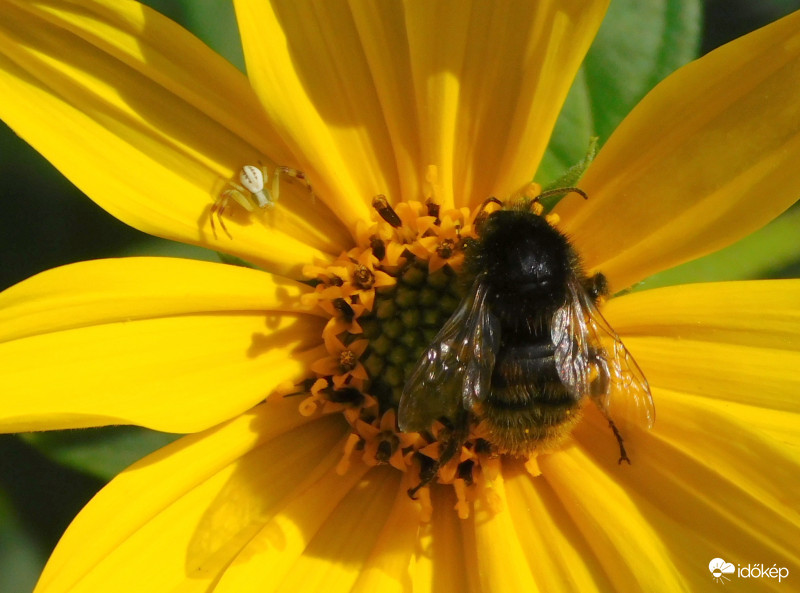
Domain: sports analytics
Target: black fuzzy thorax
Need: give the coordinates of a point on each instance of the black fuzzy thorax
(525, 264)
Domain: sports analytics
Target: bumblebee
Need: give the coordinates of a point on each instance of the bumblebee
(524, 348)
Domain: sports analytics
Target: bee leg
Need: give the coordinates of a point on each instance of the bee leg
(465, 471)
(599, 387)
(427, 473)
(623, 455)
(431, 467)
(596, 285)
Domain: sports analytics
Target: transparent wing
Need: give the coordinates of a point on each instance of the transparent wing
(456, 369)
(592, 360)
(570, 336)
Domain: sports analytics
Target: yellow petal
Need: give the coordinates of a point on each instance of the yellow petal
(768, 378)
(374, 93)
(307, 67)
(706, 158)
(706, 481)
(728, 440)
(151, 124)
(390, 567)
(487, 79)
(113, 290)
(155, 342)
(724, 453)
(556, 553)
(762, 313)
(734, 341)
(514, 70)
(176, 519)
(336, 555)
(177, 374)
(484, 530)
(440, 562)
(283, 540)
(632, 551)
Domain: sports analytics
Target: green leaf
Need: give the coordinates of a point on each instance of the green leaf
(38, 499)
(215, 23)
(550, 195)
(638, 45)
(575, 172)
(102, 452)
(158, 247)
(21, 555)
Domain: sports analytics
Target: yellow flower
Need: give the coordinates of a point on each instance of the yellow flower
(363, 99)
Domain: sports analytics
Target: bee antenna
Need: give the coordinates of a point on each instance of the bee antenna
(491, 200)
(481, 216)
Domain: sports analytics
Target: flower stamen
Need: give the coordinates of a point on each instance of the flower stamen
(363, 278)
(347, 361)
(388, 214)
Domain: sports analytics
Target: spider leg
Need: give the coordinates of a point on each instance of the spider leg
(218, 209)
(294, 174)
(236, 193)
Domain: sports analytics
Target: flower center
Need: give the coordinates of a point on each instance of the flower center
(387, 299)
(404, 320)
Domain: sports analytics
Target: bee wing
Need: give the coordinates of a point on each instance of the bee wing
(456, 370)
(570, 336)
(592, 360)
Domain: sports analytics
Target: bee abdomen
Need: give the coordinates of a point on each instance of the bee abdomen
(528, 407)
(527, 371)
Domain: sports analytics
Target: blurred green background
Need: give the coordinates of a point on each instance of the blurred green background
(45, 479)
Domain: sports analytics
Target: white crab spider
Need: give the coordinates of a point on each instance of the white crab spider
(252, 193)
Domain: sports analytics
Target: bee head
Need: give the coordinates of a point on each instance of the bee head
(525, 260)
